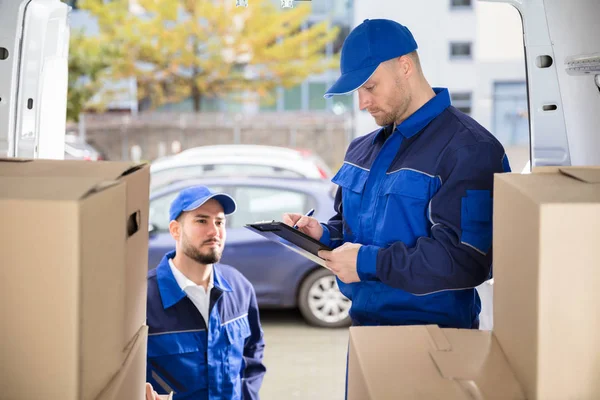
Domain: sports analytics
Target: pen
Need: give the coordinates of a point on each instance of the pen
(308, 214)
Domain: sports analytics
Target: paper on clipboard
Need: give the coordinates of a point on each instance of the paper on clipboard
(274, 229)
(304, 253)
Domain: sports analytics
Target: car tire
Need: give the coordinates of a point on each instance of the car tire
(321, 302)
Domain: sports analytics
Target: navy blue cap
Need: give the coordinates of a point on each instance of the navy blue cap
(193, 197)
(368, 45)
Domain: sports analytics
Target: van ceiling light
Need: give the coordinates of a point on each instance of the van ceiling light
(241, 3)
(583, 64)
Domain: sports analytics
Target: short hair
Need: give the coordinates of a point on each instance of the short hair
(414, 56)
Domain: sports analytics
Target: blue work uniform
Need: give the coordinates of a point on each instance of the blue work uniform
(220, 361)
(419, 200)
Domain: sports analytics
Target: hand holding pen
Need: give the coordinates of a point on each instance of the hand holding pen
(304, 223)
(308, 214)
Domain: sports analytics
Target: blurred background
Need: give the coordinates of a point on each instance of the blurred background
(232, 97)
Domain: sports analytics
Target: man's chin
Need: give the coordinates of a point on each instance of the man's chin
(382, 122)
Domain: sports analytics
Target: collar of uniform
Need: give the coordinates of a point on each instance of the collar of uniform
(219, 281)
(170, 291)
(423, 116)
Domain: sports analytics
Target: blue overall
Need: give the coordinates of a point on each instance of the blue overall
(420, 203)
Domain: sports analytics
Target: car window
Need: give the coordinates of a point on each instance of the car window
(265, 204)
(159, 209)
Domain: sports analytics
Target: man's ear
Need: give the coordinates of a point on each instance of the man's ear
(406, 65)
(175, 230)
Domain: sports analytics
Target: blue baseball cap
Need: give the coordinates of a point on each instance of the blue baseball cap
(193, 197)
(368, 45)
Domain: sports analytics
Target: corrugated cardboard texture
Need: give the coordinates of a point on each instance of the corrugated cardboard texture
(129, 382)
(61, 296)
(547, 275)
(426, 362)
(137, 180)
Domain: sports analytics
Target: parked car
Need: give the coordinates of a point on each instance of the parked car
(249, 160)
(77, 149)
(281, 278)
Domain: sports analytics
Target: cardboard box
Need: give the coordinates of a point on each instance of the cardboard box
(426, 362)
(66, 280)
(547, 280)
(136, 178)
(129, 382)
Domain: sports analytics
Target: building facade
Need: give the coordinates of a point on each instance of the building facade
(474, 49)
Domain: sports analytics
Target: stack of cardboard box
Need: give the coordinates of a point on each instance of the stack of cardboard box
(74, 250)
(546, 308)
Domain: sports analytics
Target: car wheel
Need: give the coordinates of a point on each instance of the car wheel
(321, 302)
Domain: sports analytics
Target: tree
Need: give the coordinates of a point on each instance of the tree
(89, 60)
(178, 49)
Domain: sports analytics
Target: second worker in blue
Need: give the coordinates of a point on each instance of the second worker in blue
(412, 229)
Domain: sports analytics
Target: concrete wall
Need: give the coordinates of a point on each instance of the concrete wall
(114, 134)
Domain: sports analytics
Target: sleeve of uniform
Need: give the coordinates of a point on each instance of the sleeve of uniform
(333, 229)
(457, 254)
(254, 370)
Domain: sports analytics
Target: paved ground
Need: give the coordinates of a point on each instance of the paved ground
(302, 362)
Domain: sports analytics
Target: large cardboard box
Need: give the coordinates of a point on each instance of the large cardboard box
(426, 362)
(66, 281)
(547, 280)
(136, 178)
(129, 382)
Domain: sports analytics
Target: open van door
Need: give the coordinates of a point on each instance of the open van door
(34, 47)
(562, 54)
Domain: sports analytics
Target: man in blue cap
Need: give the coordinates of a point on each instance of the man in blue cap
(205, 339)
(412, 233)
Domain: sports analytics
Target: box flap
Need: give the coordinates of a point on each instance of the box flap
(555, 186)
(428, 362)
(59, 189)
(478, 364)
(587, 175)
(77, 168)
(14, 160)
(136, 353)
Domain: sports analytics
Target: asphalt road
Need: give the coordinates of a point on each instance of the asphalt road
(303, 362)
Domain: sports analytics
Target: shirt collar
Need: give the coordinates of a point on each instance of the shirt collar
(422, 117)
(171, 291)
(184, 282)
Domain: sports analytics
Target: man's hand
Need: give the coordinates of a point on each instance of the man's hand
(307, 225)
(342, 261)
(150, 393)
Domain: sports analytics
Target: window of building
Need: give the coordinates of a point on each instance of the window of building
(458, 4)
(316, 101)
(462, 101)
(292, 98)
(461, 50)
(510, 114)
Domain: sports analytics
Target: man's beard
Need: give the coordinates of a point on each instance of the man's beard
(212, 256)
(397, 112)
